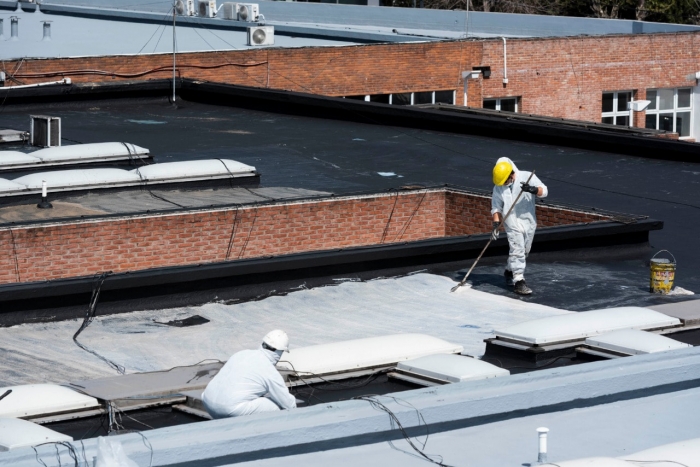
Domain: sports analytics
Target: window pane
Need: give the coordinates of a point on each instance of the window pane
(359, 98)
(444, 97)
(382, 98)
(401, 99)
(422, 97)
(651, 121)
(608, 102)
(490, 104)
(665, 99)
(684, 98)
(608, 120)
(508, 105)
(683, 123)
(651, 96)
(666, 122)
(622, 120)
(622, 99)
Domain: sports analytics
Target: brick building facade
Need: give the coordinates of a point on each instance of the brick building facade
(567, 77)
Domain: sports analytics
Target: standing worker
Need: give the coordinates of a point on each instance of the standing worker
(243, 382)
(521, 223)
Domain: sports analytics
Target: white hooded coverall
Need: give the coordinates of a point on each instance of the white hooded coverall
(241, 384)
(521, 224)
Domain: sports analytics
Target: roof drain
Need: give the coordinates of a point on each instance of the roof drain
(47, 31)
(14, 28)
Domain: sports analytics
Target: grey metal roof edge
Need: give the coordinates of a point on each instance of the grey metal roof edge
(356, 422)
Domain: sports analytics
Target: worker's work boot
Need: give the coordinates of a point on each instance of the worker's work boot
(521, 288)
(509, 276)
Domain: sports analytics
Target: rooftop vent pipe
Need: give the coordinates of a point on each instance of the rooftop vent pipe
(542, 454)
(14, 28)
(47, 31)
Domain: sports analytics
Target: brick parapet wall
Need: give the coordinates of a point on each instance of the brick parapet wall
(468, 214)
(560, 77)
(83, 248)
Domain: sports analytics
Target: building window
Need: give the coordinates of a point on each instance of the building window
(410, 98)
(670, 110)
(505, 104)
(615, 111)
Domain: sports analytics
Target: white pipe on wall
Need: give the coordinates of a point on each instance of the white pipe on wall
(505, 62)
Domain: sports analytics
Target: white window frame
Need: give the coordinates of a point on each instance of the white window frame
(432, 100)
(656, 111)
(498, 102)
(617, 113)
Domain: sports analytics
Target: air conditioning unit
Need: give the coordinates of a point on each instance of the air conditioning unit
(248, 11)
(45, 131)
(230, 10)
(207, 8)
(190, 7)
(261, 35)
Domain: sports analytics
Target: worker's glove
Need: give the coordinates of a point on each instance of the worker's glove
(495, 232)
(529, 188)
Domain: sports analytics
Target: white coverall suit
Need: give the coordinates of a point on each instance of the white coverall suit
(241, 384)
(521, 224)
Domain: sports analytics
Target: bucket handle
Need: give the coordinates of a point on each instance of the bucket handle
(661, 251)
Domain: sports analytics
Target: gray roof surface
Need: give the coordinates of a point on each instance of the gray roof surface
(115, 27)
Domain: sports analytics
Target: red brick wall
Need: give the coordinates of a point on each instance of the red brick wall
(561, 77)
(471, 214)
(84, 248)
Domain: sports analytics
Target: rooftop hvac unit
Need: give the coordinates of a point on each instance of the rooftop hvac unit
(45, 131)
(207, 9)
(190, 7)
(230, 10)
(261, 35)
(248, 11)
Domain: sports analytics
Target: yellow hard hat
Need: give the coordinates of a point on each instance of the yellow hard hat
(501, 172)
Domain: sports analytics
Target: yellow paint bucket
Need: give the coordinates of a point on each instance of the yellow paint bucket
(663, 272)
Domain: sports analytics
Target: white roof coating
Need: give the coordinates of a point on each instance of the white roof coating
(593, 462)
(578, 326)
(16, 433)
(88, 151)
(452, 368)
(634, 342)
(210, 168)
(322, 314)
(681, 453)
(33, 400)
(363, 353)
(78, 178)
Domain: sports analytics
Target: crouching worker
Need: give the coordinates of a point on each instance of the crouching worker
(249, 382)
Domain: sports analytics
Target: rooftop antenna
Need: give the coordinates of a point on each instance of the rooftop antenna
(178, 9)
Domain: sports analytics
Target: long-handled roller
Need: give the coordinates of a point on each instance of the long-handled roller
(503, 220)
